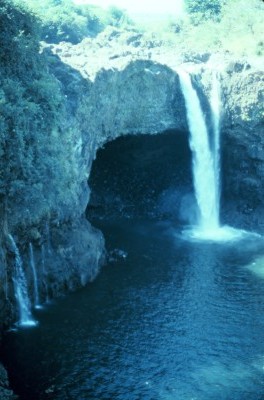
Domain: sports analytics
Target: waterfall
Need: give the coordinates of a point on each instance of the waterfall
(215, 102)
(47, 232)
(204, 165)
(34, 275)
(207, 164)
(5, 283)
(44, 272)
(21, 289)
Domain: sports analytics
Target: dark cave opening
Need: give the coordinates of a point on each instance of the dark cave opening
(150, 176)
(143, 176)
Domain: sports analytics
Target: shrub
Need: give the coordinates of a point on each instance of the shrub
(65, 21)
(200, 9)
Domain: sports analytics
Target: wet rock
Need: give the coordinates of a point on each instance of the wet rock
(116, 254)
(5, 392)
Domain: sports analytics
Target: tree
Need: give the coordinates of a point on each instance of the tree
(204, 9)
(62, 20)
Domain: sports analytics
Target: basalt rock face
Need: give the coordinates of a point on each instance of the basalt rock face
(134, 89)
(47, 206)
(243, 143)
(115, 85)
(144, 97)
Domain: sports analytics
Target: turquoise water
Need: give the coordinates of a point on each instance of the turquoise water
(166, 319)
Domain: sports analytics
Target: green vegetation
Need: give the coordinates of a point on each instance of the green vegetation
(38, 176)
(212, 6)
(242, 26)
(200, 9)
(62, 20)
(228, 25)
(207, 26)
(32, 109)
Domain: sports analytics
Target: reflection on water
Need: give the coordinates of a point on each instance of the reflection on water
(257, 266)
(172, 320)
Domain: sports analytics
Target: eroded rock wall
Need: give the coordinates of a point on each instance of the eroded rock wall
(127, 91)
(243, 142)
(44, 194)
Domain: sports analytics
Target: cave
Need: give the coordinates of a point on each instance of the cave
(145, 176)
(150, 176)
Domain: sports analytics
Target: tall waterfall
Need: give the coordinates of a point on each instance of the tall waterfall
(215, 102)
(21, 289)
(204, 164)
(34, 275)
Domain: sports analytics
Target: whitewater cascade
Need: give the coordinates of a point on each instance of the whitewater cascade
(21, 289)
(215, 102)
(205, 166)
(34, 275)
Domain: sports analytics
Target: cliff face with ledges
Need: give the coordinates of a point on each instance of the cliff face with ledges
(104, 91)
(134, 88)
(53, 124)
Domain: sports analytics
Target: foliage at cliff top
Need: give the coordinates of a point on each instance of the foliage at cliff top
(209, 9)
(62, 20)
(207, 26)
(227, 25)
(31, 111)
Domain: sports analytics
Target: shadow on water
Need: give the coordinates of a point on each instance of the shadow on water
(166, 319)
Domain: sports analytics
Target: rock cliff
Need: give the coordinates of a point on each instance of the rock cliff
(5, 392)
(118, 84)
(134, 88)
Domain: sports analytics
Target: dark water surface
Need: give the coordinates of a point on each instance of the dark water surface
(172, 320)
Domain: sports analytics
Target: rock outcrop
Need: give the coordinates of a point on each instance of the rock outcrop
(5, 392)
(134, 88)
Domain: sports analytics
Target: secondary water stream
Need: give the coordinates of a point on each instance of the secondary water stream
(34, 275)
(171, 320)
(21, 289)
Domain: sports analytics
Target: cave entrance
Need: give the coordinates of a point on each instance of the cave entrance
(142, 176)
